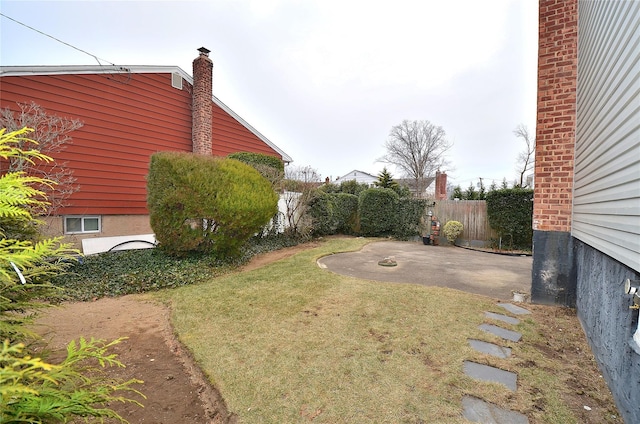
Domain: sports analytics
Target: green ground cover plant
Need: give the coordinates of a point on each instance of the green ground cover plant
(139, 271)
(291, 342)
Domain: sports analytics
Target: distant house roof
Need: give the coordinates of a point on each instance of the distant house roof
(7, 71)
(358, 176)
(410, 183)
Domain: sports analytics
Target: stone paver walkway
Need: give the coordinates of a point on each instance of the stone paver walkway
(479, 410)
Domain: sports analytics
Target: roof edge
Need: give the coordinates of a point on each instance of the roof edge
(13, 71)
(16, 71)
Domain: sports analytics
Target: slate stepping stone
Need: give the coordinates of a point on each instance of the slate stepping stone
(478, 411)
(514, 309)
(492, 374)
(490, 348)
(503, 318)
(514, 336)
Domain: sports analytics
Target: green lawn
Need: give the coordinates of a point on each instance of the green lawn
(290, 342)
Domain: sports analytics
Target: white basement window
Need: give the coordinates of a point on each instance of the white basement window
(82, 224)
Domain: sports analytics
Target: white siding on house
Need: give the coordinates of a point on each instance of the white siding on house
(359, 177)
(606, 204)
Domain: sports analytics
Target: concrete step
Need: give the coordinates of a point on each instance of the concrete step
(517, 310)
(513, 336)
(490, 348)
(491, 374)
(478, 411)
(503, 318)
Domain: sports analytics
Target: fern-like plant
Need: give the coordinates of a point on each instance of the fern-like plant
(32, 390)
(25, 265)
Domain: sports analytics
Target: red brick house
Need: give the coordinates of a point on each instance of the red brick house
(129, 113)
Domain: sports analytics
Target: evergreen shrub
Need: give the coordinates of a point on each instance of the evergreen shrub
(346, 212)
(321, 211)
(409, 213)
(258, 159)
(510, 212)
(333, 213)
(206, 203)
(452, 229)
(32, 390)
(347, 186)
(377, 210)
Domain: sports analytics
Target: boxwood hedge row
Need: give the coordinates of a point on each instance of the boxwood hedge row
(374, 212)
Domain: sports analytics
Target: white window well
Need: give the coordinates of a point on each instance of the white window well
(82, 224)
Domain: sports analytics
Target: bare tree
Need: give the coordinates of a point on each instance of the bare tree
(51, 132)
(418, 149)
(298, 187)
(526, 158)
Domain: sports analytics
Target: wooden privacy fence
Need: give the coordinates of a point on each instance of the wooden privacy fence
(471, 213)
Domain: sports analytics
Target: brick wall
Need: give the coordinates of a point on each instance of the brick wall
(556, 117)
(202, 106)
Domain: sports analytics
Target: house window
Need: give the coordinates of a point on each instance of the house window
(82, 224)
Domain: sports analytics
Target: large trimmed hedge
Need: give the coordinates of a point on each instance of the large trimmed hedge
(321, 211)
(409, 214)
(206, 203)
(255, 159)
(510, 213)
(333, 213)
(377, 210)
(271, 167)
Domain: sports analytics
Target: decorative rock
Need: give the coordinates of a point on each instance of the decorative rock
(388, 262)
(519, 297)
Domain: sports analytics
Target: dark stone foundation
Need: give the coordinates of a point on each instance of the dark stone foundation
(603, 310)
(568, 272)
(553, 279)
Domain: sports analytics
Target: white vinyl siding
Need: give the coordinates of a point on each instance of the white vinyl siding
(606, 203)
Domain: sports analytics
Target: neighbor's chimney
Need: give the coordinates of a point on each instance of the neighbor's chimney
(201, 103)
(441, 186)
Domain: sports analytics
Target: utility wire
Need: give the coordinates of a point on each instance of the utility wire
(58, 40)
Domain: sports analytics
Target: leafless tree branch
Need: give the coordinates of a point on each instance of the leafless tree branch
(526, 158)
(418, 149)
(52, 134)
(298, 187)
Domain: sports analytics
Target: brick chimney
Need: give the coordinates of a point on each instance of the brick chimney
(441, 186)
(201, 103)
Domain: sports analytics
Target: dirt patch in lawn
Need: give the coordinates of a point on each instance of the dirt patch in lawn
(176, 390)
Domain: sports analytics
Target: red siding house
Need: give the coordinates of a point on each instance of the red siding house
(129, 113)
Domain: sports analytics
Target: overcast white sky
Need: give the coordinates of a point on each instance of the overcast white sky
(325, 80)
